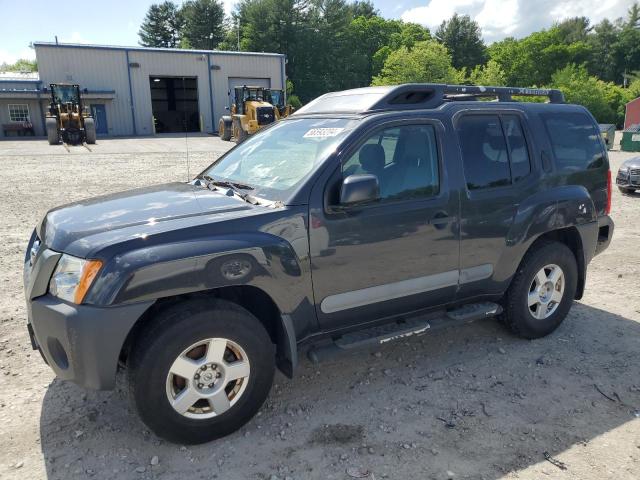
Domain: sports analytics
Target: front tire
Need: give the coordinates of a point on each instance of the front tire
(542, 291)
(51, 125)
(626, 190)
(201, 371)
(90, 131)
(225, 128)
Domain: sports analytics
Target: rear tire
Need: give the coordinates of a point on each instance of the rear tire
(542, 290)
(51, 125)
(90, 131)
(167, 346)
(626, 190)
(225, 128)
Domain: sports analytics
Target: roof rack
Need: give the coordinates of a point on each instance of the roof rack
(417, 96)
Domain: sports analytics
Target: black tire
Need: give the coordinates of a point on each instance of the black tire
(90, 130)
(225, 128)
(175, 329)
(51, 125)
(517, 315)
(239, 132)
(626, 190)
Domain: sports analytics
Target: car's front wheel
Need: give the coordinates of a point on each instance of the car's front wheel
(542, 290)
(201, 371)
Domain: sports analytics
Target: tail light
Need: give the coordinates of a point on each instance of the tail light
(607, 210)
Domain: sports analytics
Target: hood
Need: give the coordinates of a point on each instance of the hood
(84, 227)
(631, 163)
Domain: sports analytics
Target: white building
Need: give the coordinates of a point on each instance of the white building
(137, 90)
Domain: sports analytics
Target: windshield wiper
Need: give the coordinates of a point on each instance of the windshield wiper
(225, 183)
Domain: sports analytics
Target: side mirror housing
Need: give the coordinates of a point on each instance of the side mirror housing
(359, 188)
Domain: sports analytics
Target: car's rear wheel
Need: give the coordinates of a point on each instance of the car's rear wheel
(626, 190)
(542, 290)
(201, 371)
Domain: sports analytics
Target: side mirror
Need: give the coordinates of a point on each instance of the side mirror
(359, 189)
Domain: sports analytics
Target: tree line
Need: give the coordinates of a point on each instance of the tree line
(339, 44)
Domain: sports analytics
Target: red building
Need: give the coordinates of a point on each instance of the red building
(632, 115)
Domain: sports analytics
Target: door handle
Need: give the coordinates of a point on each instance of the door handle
(440, 220)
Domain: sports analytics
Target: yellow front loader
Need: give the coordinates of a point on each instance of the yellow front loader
(67, 120)
(253, 108)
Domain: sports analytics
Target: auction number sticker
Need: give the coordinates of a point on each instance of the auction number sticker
(322, 132)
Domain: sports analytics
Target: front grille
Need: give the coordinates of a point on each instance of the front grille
(634, 171)
(265, 115)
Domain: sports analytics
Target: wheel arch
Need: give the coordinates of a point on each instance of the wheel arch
(279, 326)
(572, 238)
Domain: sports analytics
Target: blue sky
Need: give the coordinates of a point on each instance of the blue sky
(116, 22)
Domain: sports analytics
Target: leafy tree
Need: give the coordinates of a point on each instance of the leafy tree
(203, 24)
(533, 59)
(574, 29)
(21, 65)
(633, 16)
(463, 39)
(161, 26)
(490, 74)
(604, 100)
(603, 51)
(363, 8)
(427, 61)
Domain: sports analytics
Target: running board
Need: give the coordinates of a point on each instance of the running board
(381, 334)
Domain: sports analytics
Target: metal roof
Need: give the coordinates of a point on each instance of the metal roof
(413, 96)
(15, 77)
(153, 49)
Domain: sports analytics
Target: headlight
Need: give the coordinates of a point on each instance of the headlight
(73, 277)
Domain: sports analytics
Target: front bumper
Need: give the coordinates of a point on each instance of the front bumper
(81, 343)
(628, 180)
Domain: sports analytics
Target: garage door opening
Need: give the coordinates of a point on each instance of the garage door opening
(174, 102)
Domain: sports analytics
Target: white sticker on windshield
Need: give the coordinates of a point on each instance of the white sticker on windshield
(322, 132)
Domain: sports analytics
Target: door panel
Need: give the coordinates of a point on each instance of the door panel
(395, 256)
(99, 113)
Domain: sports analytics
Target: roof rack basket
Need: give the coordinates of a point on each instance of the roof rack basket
(430, 95)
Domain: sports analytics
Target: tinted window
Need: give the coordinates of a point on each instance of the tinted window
(405, 160)
(574, 140)
(520, 164)
(484, 151)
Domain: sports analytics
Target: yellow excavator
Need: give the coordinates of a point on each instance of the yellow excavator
(253, 108)
(67, 120)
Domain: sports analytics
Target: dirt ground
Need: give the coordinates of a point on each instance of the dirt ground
(473, 402)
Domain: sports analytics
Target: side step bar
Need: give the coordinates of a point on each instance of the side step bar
(381, 334)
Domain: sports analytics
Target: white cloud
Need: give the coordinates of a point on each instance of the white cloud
(229, 5)
(13, 57)
(502, 18)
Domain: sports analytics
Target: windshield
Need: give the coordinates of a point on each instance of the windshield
(275, 161)
(65, 94)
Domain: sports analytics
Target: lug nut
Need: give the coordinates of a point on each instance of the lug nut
(210, 385)
(197, 376)
(204, 367)
(200, 385)
(218, 375)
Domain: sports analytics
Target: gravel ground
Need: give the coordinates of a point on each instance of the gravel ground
(473, 402)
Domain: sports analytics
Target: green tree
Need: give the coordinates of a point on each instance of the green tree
(602, 60)
(463, 39)
(533, 59)
(21, 65)
(633, 16)
(574, 29)
(427, 61)
(203, 24)
(490, 74)
(604, 100)
(161, 26)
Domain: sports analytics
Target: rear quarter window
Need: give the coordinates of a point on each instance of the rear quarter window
(574, 140)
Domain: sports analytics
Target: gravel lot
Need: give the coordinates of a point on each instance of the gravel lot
(472, 403)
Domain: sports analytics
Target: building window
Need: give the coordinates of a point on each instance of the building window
(19, 112)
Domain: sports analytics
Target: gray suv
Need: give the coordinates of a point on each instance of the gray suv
(369, 215)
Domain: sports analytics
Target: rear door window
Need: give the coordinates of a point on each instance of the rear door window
(574, 140)
(520, 163)
(484, 152)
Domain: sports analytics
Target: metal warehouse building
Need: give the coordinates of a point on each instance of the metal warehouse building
(137, 90)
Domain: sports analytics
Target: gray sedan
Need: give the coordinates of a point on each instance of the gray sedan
(628, 178)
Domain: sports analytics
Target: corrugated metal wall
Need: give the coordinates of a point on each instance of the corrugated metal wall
(101, 68)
